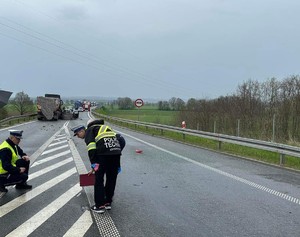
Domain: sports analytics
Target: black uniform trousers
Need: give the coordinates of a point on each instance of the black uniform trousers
(11, 179)
(108, 166)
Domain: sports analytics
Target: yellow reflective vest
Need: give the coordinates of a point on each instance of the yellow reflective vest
(106, 142)
(14, 153)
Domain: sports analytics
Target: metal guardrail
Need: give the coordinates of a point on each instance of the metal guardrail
(9, 120)
(281, 149)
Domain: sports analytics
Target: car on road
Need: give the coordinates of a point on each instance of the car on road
(75, 113)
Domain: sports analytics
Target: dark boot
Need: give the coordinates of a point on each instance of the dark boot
(3, 189)
(23, 186)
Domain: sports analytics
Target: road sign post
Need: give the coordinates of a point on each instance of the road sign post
(138, 103)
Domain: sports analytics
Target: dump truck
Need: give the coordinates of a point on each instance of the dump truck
(49, 107)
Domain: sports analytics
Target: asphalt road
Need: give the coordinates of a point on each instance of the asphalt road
(170, 189)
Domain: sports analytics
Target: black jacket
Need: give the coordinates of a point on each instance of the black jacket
(102, 150)
(6, 156)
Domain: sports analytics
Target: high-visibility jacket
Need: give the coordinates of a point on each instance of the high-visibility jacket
(14, 158)
(106, 142)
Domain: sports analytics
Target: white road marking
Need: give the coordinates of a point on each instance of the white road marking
(61, 135)
(81, 226)
(49, 168)
(57, 143)
(59, 138)
(50, 158)
(54, 149)
(13, 204)
(39, 218)
(252, 184)
(39, 151)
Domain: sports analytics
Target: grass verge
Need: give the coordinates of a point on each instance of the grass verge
(233, 149)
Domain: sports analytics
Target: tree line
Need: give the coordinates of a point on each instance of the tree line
(265, 111)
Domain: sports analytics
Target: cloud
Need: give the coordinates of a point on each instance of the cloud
(147, 47)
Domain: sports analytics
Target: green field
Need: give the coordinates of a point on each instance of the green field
(147, 114)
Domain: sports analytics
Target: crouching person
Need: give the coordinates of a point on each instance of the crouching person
(14, 163)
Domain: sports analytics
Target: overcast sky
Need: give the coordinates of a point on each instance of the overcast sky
(146, 49)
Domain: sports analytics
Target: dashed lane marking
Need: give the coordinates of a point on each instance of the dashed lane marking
(234, 177)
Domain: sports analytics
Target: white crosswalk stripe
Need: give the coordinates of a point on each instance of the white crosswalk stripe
(54, 149)
(51, 158)
(50, 168)
(53, 168)
(10, 206)
(81, 226)
(34, 222)
(57, 143)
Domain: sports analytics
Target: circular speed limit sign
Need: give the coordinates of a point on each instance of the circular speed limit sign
(138, 103)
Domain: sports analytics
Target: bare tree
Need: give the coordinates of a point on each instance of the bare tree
(191, 104)
(290, 108)
(250, 106)
(270, 98)
(179, 104)
(172, 103)
(190, 114)
(22, 103)
(295, 108)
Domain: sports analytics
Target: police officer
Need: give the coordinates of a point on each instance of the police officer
(104, 152)
(14, 163)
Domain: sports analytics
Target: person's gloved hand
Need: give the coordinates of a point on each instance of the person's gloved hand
(95, 166)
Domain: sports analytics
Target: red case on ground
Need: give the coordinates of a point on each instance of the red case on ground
(87, 180)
